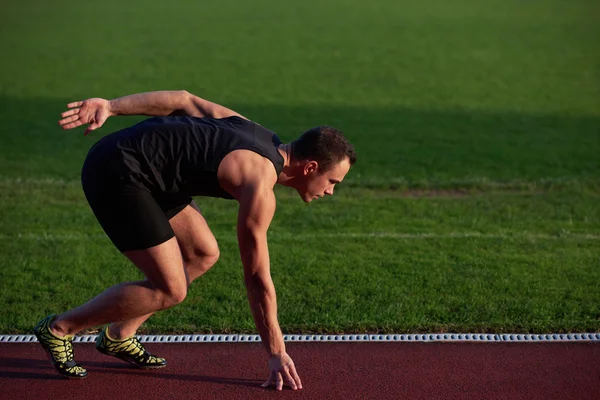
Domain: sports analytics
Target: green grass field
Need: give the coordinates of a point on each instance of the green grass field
(473, 207)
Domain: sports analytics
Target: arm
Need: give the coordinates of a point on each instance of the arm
(95, 111)
(257, 206)
(161, 103)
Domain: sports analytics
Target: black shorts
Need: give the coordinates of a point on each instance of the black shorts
(132, 216)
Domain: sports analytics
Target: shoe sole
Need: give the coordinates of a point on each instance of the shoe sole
(127, 359)
(49, 355)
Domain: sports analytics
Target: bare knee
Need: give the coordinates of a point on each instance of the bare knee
(171, 296)
(208, 260)
(200, 262)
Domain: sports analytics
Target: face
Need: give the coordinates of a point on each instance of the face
(317, 183)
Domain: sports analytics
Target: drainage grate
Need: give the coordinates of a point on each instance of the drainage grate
(431, 337)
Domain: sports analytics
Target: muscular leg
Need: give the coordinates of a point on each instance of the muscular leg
(165, 286)
(199, 251)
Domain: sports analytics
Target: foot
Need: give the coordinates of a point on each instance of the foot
(59, 349)
(130, 350)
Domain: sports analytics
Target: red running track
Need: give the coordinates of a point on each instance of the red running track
(346, 371)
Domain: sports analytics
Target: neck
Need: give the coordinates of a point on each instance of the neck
(289, 172)
(286, 152)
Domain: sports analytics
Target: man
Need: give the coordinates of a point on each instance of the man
(139, 182)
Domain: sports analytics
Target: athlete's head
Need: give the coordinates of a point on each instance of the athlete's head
(325, 156)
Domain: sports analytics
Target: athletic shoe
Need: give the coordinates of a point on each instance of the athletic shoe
(130, 350)
(59, 349)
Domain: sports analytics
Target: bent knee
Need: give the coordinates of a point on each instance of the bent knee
(172, 296)
(211, 259)
(200, 262)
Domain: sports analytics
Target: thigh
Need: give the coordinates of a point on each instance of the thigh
(162, 266)
(137, 222)
(131, 217)
(137, 225)
(193, 234)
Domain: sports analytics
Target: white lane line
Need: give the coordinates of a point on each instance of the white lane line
(45, 236)
(428, 337)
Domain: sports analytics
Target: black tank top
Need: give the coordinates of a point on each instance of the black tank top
(182, 154)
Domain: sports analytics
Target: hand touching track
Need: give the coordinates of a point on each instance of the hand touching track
(92, 111)
(282, 366)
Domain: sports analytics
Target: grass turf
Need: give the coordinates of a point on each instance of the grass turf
(473, 204)
(492, 261)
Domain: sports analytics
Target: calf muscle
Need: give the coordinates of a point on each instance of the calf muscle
(117, 303)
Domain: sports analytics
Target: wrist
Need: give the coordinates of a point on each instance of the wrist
(111, 107)
(277, 350)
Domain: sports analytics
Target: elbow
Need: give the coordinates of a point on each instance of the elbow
(189, 104)
(185, 97)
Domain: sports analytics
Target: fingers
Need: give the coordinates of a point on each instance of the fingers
(72, 125)
(290, 380)
(90, 128)
(72, 111)
(276, 378)
(282, 367)
(291, 377)
(70, 116)
(68, 120)
(269, 381)
(295, 377)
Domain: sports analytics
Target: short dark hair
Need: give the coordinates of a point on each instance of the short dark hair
(325, 145)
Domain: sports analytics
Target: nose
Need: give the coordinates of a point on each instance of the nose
(329, 191)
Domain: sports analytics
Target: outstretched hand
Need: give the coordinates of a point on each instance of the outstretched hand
(91, 111)
(282, 367)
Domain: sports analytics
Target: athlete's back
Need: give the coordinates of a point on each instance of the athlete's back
(182, 154)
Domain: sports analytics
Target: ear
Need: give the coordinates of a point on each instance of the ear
(310, 167)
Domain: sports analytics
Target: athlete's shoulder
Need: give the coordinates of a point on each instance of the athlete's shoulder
(245, 168)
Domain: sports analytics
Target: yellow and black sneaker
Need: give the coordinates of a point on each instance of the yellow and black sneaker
(130, 350)
(59, 349)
